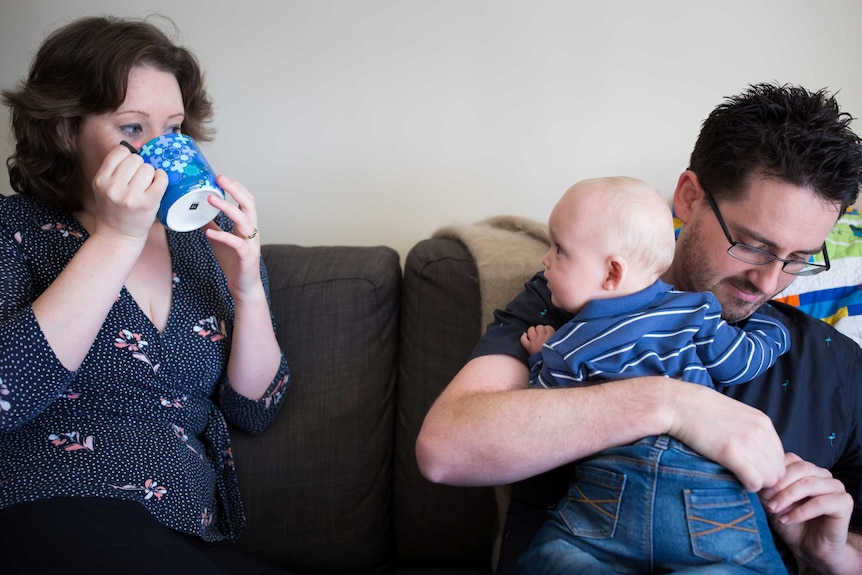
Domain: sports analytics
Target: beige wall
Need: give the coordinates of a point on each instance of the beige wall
(378, 121)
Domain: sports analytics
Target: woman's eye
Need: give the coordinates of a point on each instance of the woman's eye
(175, 129)
(132, 129)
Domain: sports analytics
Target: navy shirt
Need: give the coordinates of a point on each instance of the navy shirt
(145, 416)
(813, 395)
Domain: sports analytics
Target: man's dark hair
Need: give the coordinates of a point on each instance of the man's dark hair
(83, 69)
(783, 132)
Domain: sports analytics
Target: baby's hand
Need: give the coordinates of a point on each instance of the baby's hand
(535, 337)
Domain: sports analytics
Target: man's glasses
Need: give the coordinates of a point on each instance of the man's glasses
(756, 256)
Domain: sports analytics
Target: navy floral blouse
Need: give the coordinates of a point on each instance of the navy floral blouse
(145, 416)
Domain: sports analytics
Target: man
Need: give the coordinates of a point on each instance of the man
(772, 170)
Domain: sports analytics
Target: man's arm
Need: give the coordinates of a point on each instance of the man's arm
(489, 428)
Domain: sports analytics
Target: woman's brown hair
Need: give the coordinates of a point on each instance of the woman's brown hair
(82, 69)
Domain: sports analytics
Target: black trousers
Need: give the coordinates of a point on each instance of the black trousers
(94, 535)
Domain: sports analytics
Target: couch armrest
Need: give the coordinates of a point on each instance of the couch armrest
(316, 484)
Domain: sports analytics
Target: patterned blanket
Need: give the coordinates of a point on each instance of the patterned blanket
(835, 296)
(507, 250)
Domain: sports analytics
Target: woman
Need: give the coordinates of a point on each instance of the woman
(124, 347)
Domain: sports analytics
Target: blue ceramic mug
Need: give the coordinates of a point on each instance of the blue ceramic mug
(191, 180)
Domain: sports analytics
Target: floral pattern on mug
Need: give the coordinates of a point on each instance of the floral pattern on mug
(173, 154)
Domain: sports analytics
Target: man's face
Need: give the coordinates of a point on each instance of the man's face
(789, 221)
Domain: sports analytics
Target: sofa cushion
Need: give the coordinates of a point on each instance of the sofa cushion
(316, 484)
(441, 321)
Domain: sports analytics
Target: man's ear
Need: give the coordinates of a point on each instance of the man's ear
(687, 193)
(615, 273)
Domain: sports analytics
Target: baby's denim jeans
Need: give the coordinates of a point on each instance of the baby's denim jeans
(654, 506)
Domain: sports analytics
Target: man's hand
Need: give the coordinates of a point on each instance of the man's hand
(739, 437)
(810, 510)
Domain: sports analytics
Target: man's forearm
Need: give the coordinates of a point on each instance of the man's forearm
(487, 428)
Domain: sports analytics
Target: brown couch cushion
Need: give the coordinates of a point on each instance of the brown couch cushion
(317, 483)
(441, 322)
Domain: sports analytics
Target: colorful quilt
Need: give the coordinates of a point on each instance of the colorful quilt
(834, 296)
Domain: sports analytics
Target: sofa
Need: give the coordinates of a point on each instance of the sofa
(332, 486)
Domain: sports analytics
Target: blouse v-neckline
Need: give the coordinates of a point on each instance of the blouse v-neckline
(127, 293)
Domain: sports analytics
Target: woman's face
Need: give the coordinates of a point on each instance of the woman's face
(153, 107)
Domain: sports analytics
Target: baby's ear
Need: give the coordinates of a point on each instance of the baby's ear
(616, 269)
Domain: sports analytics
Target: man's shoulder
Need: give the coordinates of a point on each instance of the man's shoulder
(805, 328)
(532, 306)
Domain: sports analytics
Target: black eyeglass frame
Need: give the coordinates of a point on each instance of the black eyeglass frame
(810, 269)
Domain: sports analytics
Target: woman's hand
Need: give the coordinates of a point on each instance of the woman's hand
(118, 215)
(254, 355)
(126, 195)
(238, 253)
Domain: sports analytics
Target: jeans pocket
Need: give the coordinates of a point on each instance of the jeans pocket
(591, 507)
(722, 525)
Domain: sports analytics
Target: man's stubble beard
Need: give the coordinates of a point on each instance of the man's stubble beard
(693, 273)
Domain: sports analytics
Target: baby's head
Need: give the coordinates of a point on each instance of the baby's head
(609, 237)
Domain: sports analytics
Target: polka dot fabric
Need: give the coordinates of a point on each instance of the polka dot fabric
(145, 416)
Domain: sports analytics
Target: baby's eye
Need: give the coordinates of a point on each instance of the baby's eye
(559, 249)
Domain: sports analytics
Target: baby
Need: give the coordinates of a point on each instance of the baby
(655, 504)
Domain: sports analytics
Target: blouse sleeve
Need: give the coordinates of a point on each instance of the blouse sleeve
(253, 416)
(31, 376)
